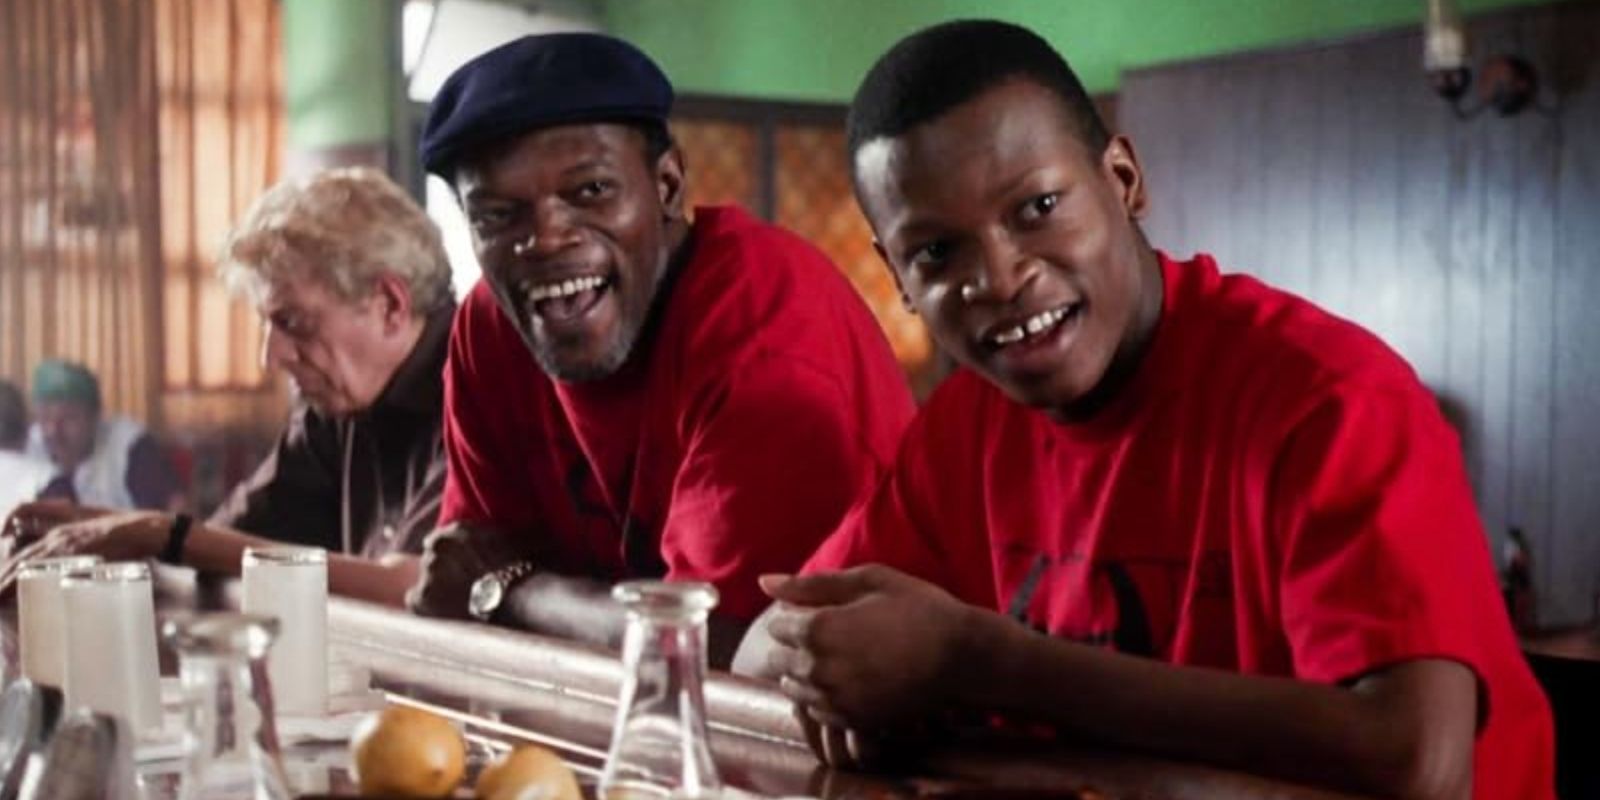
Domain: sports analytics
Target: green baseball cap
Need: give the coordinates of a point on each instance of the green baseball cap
(55, 380)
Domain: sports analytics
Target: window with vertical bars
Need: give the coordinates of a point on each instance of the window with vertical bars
(219, 71)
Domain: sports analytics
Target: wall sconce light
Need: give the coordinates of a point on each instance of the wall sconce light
(1506, 83)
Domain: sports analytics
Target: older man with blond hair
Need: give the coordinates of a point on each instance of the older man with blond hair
(352, 285)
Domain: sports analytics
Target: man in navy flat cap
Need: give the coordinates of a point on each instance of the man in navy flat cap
(629, 394)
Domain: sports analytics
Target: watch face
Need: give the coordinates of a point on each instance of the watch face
(485, 596)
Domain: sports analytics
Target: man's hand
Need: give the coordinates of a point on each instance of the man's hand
(868, 648)
(31, 521)
(128, 536)
(453, 558)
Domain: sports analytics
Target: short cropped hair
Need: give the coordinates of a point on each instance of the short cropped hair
(13, 417)
(936, 69)
(344, 228)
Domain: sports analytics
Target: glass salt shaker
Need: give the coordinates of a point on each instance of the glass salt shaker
(659, 745)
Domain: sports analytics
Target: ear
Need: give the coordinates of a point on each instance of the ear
(393, 296)
(669, 183)
(905, 299)
(1121, 166)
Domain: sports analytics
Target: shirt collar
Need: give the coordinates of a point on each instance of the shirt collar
(418, 384)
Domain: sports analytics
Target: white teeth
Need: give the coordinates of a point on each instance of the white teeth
(567, 288)
(1032, 326)
(1009, 336)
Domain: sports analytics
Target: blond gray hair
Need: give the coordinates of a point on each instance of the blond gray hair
(342, 228)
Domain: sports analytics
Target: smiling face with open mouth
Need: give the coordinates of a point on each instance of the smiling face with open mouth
(574, 226)
(1017, 244)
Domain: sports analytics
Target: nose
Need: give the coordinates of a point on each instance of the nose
(1003, 272)
(553, 230)
(277, 352)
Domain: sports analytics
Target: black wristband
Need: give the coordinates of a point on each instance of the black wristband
(176, 536)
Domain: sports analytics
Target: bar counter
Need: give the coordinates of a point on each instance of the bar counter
(508, 687)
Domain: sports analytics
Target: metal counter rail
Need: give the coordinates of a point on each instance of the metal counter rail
(512, 686)
(564, 668)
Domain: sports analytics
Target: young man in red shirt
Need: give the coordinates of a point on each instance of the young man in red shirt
(628, 394)
(1241, 522)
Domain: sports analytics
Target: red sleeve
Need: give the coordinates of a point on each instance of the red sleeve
(925, 517)
(881, 530)
(773, 462)
(473, 484)
(1383, 558)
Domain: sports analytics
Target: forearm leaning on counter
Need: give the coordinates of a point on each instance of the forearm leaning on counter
(384, 581)
(1404, 731)
(458, 555)
(120, 536)
(582, 609)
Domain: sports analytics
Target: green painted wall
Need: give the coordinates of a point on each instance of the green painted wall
(818, 49)
(337, 71)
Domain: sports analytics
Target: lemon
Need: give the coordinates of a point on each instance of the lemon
(407, 752)
(529, 772)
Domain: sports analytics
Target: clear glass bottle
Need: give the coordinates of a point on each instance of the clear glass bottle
(89, 755)
(231, 741)
(659, 745)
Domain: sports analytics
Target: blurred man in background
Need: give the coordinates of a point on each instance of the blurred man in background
(101, 461)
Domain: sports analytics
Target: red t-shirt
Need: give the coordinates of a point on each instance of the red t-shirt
(1274, 493)
(732, 442)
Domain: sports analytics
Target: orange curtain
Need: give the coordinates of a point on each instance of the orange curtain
(131, 133)
(219, 64)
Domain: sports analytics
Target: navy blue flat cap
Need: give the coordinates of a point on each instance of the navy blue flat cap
(536, 82)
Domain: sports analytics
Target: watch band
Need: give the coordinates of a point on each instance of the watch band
(177, 535)
(511, 574)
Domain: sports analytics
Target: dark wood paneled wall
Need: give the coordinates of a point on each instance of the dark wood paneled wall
(1471, 246)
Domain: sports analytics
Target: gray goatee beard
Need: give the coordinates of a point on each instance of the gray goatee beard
(615, 355)
(616, 351)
